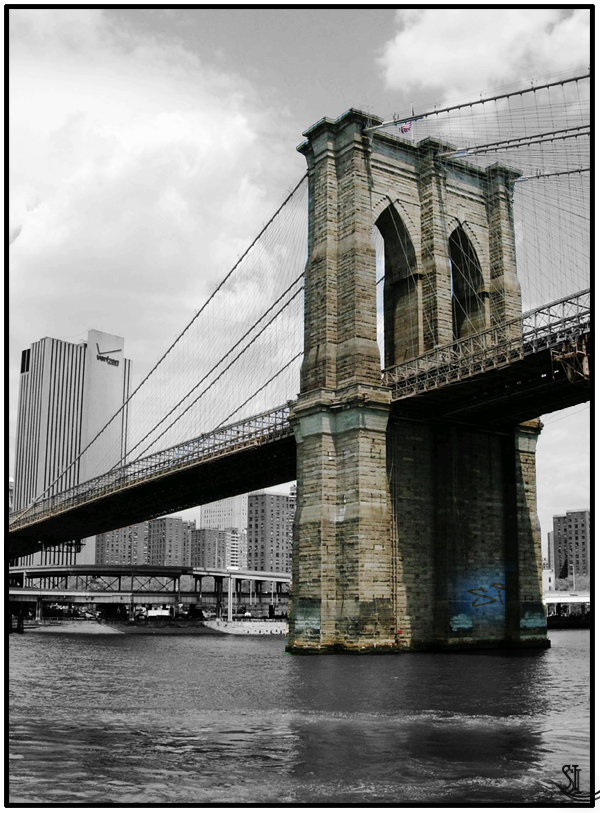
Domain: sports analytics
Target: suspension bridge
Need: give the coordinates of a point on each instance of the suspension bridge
(416, 229)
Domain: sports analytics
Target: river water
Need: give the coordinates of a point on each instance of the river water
(207, 719)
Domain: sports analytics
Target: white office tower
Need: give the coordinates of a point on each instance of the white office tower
(229, 513)
(67, 393)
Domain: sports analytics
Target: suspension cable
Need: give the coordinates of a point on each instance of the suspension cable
(204, 377)
(222, 373)
(435, 112)
(170, 348)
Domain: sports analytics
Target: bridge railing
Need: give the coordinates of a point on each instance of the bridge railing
(264, 428)
(539, 329)
(545, 327)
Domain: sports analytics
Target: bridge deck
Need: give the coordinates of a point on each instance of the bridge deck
(252, 467)
(509, 373)
(505, 375)
(532, 386)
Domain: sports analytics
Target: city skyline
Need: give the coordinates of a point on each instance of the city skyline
(88, 150)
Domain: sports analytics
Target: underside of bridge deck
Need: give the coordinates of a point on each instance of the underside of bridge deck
(522, 391)
(245, 470)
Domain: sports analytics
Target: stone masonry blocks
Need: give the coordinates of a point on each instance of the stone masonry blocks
(399, 520)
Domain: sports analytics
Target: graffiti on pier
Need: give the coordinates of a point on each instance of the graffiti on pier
(481, 593)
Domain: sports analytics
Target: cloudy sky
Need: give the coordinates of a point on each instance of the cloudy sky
(148, 146)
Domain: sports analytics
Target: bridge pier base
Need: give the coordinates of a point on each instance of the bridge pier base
(455, 564)
(468, 551)
(343, 582)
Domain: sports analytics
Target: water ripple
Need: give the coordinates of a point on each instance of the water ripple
(135, 720)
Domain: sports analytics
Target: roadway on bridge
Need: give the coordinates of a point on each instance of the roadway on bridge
(521, 391)
(518, 384)
(149, 571)
(247, 469)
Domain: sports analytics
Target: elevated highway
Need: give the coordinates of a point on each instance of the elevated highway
(131, 585)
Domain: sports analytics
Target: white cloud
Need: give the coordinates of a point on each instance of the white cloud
(463, 51)
(138, 176)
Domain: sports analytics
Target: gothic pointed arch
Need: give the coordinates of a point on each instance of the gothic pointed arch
(467, 287)
(402, 315)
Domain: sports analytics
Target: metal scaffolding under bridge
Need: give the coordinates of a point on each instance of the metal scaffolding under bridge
(134, 585)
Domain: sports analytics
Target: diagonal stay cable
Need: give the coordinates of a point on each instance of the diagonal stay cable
(212, 370)
(435, 112)
(260, 389)
(222, 373)
(166, 353)
(516, 143)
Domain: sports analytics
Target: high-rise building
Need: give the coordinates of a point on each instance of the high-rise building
(229, 513)
(230, 516)
(189, 526)
(551, 550)
(169, 541)
(236, 548)
(219, 548)
(270, 527)
(571, 543)
(209, 548)
(126, 546)
(67, 393)
(164, 541)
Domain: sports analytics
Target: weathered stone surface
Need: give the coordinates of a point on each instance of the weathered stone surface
(397, 521)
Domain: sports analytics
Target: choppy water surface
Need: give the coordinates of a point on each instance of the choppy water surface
(117, 719)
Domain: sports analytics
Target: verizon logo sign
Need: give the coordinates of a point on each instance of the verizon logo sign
(102, 356)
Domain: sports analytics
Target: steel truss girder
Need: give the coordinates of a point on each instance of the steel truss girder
(141, 584)
(562, 322)
(257, 430)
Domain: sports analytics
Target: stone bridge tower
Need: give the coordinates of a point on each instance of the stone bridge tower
(399, 518)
